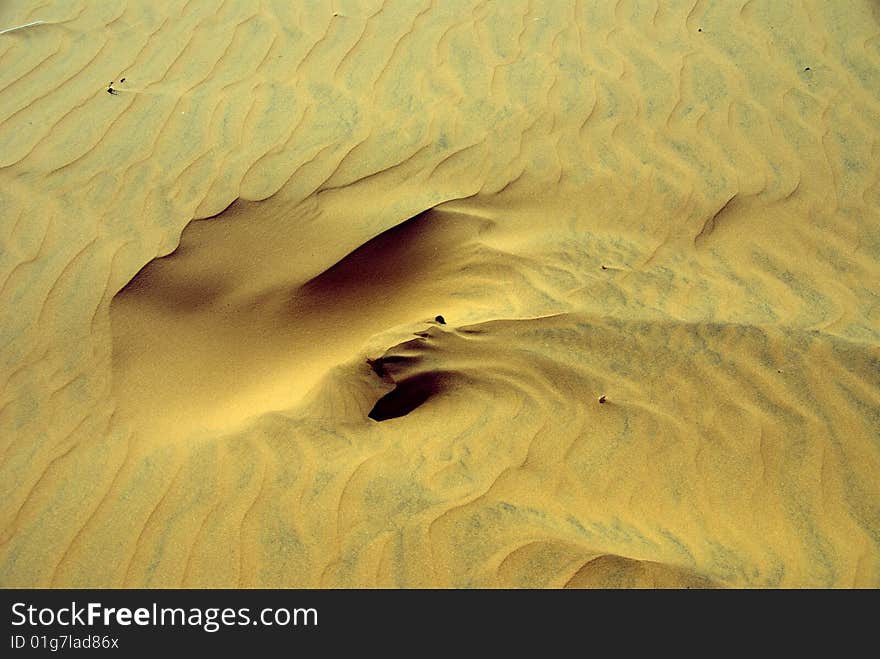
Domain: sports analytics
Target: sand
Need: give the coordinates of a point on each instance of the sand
(651, 230)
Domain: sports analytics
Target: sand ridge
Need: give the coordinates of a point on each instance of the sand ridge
(671, 204)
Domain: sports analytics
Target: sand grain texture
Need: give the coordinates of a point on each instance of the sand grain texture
(213, 278)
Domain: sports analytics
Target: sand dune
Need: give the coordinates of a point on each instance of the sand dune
(651, 231)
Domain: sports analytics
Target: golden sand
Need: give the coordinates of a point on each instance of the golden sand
(219, 278)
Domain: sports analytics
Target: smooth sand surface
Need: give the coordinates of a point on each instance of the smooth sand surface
(219, 359)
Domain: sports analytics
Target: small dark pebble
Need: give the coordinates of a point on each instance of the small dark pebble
(604, 267)
(440, 319)
(602, 399)
(122, 80)
(699, 29)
